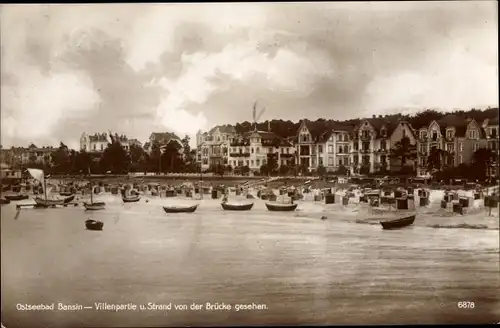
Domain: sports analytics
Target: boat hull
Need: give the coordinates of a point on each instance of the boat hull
(94, 225)
(16, 197)
(237, 207)
(65, 193)
(398, 223)
(281, 207)
(4, 201)
(173, 209)
(132, 199)
(94, 206)
(48, 202)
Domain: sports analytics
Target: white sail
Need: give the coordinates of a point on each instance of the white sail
(38, 175)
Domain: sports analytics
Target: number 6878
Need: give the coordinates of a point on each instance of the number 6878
(466, 305)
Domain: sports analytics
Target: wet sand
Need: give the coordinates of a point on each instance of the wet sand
(305, 271)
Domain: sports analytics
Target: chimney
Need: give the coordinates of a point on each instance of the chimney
(374, 116)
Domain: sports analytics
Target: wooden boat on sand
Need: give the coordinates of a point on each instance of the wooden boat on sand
(65, 193)
(16, 197)
(180, 209)
(4, 201)
(278, 207)
(236, 207)
(398, 223)
(94, 224)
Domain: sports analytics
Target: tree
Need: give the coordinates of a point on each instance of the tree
(481, 163)
(403, 150)
(435, 160)
(245, 170)
(115, 158)
(272, 163)
(342, 170)
(154, 157)
(321, 171)
(171, 158)
(138, 158)
(82, 162)
(61, 159)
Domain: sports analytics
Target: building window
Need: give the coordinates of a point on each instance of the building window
(251, 149)
(383, 144)
(449, 134)
(102, 146)
(258, 162)
(346, 161)
(434, 135)
(460, 159)
(270, 150)
(346, 149)
(461, 146)
(476, 147)
(94, 147)
(320, 149)
(321, 161)
(330, 161)
(423, 134)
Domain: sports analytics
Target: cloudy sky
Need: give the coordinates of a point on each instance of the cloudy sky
(140, 68)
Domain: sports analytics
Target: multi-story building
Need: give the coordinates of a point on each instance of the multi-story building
(492, 138)
(370, 145)
(254, 149)
(402, 130)
(163, 139)
(457, 138)
(212, 147)
(38, 155)
(98, 142)
(311, 141)
(333, 147)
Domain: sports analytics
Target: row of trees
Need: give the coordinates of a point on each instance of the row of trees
(116, 160)
(289, 129)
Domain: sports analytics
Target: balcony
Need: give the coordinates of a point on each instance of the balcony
(239, 154)
(287, 155)
(365, 151)
(382, 150)
(365, 137)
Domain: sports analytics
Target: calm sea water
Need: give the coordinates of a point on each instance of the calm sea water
(302, 269)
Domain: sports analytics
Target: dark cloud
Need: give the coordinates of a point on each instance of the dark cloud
(158, 67)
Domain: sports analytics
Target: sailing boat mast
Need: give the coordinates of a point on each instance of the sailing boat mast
(45, 187)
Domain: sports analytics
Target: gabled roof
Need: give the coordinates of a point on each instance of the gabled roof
(164, 137)
(378, 123)
(226, 128)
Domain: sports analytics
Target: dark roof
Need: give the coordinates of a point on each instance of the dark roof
(378, 124)
(453, 121)
(226, 128)
(493, 121)
(164, 137)
(269, 139)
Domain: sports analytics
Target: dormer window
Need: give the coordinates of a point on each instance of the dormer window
(434, 135)
(472, 134)
(423, 134)
(449, 133)
(383, 132)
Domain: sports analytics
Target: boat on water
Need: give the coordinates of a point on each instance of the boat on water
(131, 199)
(4, 201)
(398, 223)
(39, 175)
(17, 197)
(93, 206)
(94, 224)
(236, 207)
(180, 209)
(279, 207)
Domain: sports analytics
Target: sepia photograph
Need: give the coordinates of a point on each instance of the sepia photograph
(244, 164)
